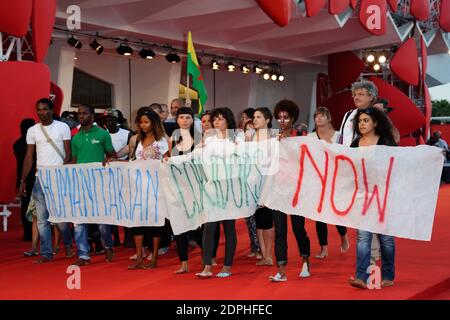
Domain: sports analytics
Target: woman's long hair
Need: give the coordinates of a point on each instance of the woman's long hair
(383, 128)
(157, 126)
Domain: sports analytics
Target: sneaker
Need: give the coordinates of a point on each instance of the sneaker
(81, 262)
(43, 259)
(305, 273)
(278, 278)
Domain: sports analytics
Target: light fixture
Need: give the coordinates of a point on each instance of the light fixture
(124, 50)
(215, 65)
(382, 59)
(280, 77)
(231, 67)
(172, 57)
(370, 58)
(376, 67)
(147, 54)
(96, 46)
(274, 77)
(266, 76)
(257, 70)
(74, 42)
(245, 69)
(448, 51)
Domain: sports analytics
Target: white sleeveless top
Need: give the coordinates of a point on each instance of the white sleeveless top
(120, 140)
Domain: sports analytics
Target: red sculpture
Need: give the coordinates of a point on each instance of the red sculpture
(22, 83)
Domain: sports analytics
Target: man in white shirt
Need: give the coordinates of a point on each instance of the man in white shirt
(51, 140)
(175, 104)
(120, 137)
(364, 95)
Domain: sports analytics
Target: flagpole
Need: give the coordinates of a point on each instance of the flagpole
(187, 101)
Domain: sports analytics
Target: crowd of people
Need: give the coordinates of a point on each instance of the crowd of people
(163, 132)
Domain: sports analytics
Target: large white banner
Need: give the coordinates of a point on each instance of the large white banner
(388, 190)
(122, 193)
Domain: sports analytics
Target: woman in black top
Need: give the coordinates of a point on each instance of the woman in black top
(373, 128)
(182, 142)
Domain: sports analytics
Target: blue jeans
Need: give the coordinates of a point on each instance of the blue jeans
(44, 227)
(81, 239)
(363, 246)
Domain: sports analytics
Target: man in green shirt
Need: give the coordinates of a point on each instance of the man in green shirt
(91, 144)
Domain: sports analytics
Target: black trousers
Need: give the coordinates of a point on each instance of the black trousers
(182, 241)
(209, 241)
(322, 232)
(301, 237)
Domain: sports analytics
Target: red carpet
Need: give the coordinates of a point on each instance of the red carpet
(422, 271)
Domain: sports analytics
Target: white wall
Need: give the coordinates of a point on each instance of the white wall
(239, 91)
(151, 80)
(157, 81)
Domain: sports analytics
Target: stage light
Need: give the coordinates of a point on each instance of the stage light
(96, 46)
(147, 54)
(172, 57)
(231, 67)
(245, 69)
(370, 58)
(124, 50)
(74, 42)
(382, 59)
(376, 67)
(266, 76)
(280, 77)
(274, 77)
(215, 65)
(257, 70)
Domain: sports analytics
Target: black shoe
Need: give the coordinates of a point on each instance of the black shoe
(116, 244)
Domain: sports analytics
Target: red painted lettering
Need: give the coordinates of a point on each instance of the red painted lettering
(304, 151)
(375, 192)
(336, 167)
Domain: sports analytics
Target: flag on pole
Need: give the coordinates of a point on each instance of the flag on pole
(193, 69)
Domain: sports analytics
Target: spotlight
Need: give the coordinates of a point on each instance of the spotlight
(215, 65)
(245, 69)
(257, 70)
(172, 57)
(448, 51)
(96, 46)
(280, 77)
(274, 77)
(370, 58)
(376, 67)
(124, 50)
(231, 67)
(382, 59)
(266, 76)
(74, 42)
(147, 54)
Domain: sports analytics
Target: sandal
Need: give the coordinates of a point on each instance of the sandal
(137, 265)
(30, 253)
(278, 278)
(204, 275)
(223, 274)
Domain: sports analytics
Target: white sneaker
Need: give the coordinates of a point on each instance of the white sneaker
(278, 278)
(134, 256)
(305, 273)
